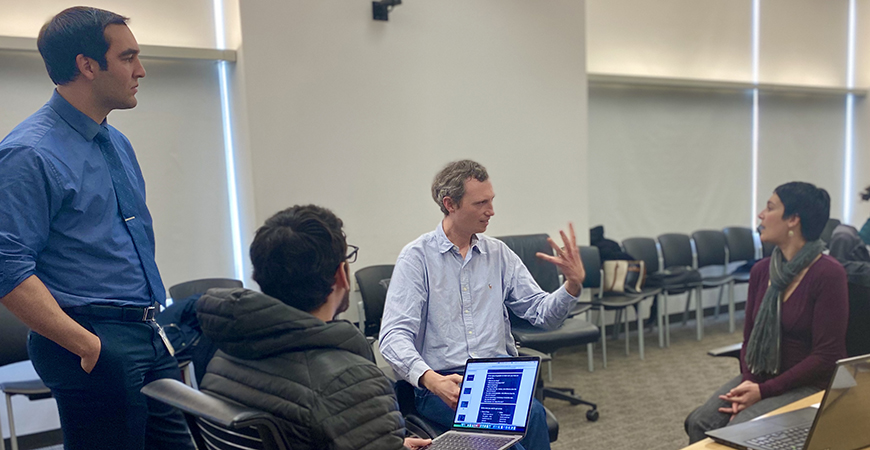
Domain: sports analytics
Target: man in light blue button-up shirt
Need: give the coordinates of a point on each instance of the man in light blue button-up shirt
(450, 292)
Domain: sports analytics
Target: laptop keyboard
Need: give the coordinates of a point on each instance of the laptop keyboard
(459, 441)
(791, 439)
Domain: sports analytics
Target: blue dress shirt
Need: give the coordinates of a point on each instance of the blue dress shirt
(442, 309)
(59, 217)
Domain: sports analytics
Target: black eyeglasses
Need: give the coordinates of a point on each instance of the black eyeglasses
(351, 257)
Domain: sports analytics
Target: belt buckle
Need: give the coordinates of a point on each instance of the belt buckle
(148, 314)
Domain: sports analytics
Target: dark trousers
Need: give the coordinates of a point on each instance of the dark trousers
(104, 409)
(433, 408)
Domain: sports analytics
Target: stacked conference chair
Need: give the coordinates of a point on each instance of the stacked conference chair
(574, 331)
(217, 423)
(13, 349)
(677, 256)
(612, 301)
(711, 248)
(671, 281)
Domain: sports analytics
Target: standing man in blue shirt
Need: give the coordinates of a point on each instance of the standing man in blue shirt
(449, 295)
(77, 245)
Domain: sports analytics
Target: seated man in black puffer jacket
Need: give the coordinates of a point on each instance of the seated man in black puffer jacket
(281, 351)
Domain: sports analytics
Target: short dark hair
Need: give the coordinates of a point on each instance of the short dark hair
(450, 181)
(295, 255)
(812, 204)
(79, 30)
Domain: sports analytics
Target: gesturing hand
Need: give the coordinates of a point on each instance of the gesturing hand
(567, 259)
(446, 387)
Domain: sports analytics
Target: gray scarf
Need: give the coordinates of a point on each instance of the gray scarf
(763, 349)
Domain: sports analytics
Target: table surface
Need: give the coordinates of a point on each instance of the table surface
(708, 444)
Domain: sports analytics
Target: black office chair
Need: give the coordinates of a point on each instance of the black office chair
(677, 255)
(741, 249)
(711, 247)
(828, 231)
(373, 282)
(217, 423)
(612, 301)
(574, 331)
(182, 291)
(194, 287)
(13, 349)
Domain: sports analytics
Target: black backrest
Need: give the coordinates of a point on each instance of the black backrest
(766, 249)
(592, 264)
(373, 282)
(193, 287)
(525, 246)
(676, 250)
(858, 331)
(828, 231)
(710, 246)
(741, 244)
(644, 249)
(243, 427)
(13, 338)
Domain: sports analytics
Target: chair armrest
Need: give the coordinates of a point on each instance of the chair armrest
(732, 350)
(208, 406)
(525, 351)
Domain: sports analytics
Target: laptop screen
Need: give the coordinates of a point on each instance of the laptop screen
(496, 394)
(845, 406)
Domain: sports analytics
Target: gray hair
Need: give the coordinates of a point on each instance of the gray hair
(450, 181)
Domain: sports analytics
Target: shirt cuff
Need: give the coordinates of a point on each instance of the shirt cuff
(417, 370)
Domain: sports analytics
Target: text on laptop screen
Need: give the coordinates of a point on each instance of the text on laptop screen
(496, 395)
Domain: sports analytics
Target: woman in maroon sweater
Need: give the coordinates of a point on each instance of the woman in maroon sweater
(796, 315)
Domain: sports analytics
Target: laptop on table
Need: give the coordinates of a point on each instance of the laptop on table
(495, 400)
(841, 422)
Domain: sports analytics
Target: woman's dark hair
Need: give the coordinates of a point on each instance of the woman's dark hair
(810, 203)
(866, 194)
(295, 255)
(79, 30)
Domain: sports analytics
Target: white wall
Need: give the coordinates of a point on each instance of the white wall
(684, 156)
(358, 115)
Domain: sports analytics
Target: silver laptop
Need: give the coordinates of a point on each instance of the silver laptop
(841, 422)
(495, 400)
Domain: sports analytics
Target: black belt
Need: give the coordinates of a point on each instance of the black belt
(122, 313)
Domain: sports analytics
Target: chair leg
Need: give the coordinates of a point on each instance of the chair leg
(2, 442)
(13, 439)
(603, 335)
(625, 321)
(731, 307)
(667, 321)
(550, 369)
(640, 331)
(590, 363)
(659, 310)
(699, 314)
(719, 302)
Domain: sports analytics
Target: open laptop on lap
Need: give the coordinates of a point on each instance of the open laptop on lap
(841, 422)
(495, 400)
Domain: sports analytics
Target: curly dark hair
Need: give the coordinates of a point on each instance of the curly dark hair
(450, 181)
(866, 194)
(295, 255)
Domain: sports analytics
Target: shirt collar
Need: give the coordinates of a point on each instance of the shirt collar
(445, 245)
(80, 122)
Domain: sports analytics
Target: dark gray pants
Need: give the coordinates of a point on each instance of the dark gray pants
(707, 416)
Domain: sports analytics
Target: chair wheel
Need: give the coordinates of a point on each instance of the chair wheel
(592, 415)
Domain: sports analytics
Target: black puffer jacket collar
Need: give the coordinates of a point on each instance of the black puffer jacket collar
(250, 325)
